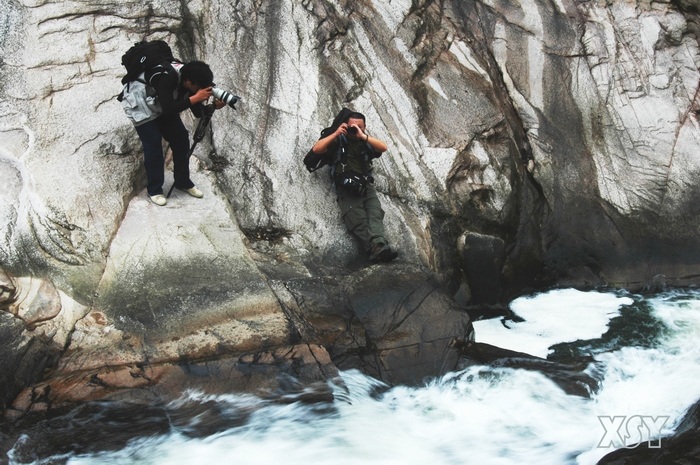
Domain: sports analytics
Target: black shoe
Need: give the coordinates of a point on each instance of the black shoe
(382, 253)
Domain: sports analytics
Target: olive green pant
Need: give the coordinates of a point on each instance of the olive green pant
(363, 216)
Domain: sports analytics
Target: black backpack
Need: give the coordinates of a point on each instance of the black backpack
(144, 55)
(314, 161)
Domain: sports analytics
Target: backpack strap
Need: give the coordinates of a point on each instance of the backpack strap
(161, 69)
(339, 166)
(341, 155)
(127, 86)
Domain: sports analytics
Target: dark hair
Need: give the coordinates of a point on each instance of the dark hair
(356, 115)
(198, 73)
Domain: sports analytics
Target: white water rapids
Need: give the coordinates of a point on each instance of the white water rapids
(482, 415)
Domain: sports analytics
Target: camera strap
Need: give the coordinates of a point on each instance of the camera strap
(207, 113)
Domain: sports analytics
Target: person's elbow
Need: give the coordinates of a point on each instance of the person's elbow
(318, 150)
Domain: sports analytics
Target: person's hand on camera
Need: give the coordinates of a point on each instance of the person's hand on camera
(342, 130)
(219, 104)
(202, 95)
(353, 131)
(356, 132)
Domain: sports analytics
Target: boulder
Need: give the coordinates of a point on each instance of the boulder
(531, 144)
(570, 377)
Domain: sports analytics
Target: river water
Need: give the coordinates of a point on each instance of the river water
(645, 354)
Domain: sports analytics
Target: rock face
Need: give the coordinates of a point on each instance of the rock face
(110, 293)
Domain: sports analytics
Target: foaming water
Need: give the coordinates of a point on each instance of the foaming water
(482, 415)
(563, 315)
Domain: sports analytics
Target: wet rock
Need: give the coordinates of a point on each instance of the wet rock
(262, 373)
(570, 377)
(681, 448)
(90, 428)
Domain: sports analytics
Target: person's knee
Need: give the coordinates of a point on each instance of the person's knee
(152, 144)
(180, 144)
(375, 210)
(152, 153)
(355, 218)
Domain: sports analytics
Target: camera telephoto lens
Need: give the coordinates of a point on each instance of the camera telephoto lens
(352, 130)
(226, 97)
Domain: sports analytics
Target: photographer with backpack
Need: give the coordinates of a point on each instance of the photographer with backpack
(168, 88)
(349, 150)
(175, 94)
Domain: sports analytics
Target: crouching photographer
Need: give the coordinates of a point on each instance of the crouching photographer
(176, 92)
(351, 170)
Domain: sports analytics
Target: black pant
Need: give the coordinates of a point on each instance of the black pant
(170, 128)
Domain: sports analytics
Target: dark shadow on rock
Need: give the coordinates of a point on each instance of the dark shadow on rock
(23, 360)
(482, 260)
(391, 321)
(411, 327)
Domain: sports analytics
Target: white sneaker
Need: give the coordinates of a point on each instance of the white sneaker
(158, 199)
(194, 192)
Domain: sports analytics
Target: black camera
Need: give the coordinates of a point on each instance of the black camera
(353, 183)
(352, 130)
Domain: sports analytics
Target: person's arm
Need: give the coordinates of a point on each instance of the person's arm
(165, 85)
(323, 144)
(197, 106)
(375, 144)
(201, 96)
